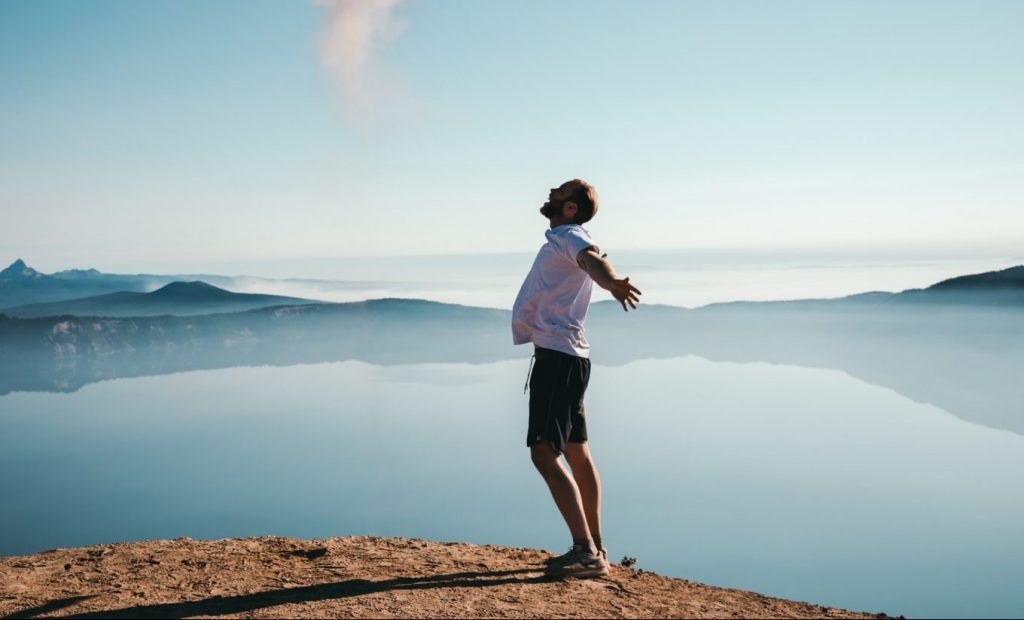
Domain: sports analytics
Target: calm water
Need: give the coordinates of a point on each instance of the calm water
(790, 481)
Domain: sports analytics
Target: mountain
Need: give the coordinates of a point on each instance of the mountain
(1012, 279)
(995, 289)
(1004, 288)
(78, 274)
(18, 270)
(24, 285)
(180, 298)
(21, 284)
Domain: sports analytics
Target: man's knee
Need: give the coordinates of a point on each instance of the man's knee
(544, 458)
(577, 453)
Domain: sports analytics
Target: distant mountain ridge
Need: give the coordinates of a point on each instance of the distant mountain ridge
(1003, 289)
(78, 274)
(22, 285)
(1012, 278)
(177, 298)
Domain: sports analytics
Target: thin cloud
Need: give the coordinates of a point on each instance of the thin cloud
(348, 50)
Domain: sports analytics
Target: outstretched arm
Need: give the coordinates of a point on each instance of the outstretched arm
(603, 274)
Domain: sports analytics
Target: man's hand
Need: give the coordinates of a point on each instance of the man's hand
(624, 291)
(601, 272)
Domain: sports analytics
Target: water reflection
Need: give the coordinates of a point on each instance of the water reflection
(964, 360)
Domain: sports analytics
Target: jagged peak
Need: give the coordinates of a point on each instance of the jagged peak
(18, 269)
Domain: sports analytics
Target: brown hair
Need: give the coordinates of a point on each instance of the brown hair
(585, 198)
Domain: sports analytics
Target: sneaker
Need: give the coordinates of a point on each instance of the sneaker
(579, 562)
(555, 559)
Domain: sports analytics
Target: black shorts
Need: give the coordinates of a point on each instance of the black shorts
(557, 384)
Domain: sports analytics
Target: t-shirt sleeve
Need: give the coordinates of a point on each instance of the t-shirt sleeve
(574, 241)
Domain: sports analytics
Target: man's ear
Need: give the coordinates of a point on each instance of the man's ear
(569, 210)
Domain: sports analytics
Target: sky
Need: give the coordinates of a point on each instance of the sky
(187, 135)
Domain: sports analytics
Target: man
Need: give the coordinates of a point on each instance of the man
(549, 312)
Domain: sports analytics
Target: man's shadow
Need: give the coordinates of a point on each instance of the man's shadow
(223, 605)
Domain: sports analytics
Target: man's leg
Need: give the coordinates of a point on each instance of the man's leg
(563, 489)
(588, 483)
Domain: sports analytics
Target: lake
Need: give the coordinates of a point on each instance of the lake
(795, 482)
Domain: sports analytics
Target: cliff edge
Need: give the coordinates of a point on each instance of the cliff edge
(352, 576)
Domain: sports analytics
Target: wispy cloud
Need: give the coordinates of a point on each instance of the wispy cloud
(349, 48)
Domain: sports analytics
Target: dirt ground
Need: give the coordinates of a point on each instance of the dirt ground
(351, 577)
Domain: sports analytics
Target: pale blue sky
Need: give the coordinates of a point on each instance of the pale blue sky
(178, 135)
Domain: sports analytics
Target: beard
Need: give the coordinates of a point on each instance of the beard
(547, 209)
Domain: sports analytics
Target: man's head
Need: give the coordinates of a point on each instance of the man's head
(572, 202)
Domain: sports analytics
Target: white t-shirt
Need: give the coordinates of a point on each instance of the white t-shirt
(553, 300)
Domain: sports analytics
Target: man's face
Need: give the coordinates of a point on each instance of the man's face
(556, 198)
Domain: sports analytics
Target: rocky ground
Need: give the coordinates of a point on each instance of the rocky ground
(353, 576)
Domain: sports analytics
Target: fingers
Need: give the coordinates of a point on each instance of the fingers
(630, 286)
(628, 295)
